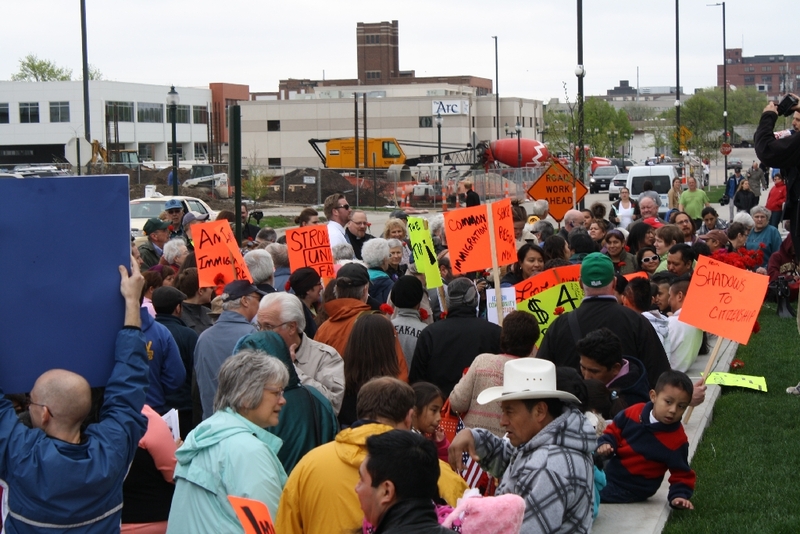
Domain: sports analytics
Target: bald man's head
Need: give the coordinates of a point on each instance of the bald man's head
(66, 395)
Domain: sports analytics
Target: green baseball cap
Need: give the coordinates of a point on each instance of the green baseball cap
(597, 270)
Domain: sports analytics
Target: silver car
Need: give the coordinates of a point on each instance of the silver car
(617, 183)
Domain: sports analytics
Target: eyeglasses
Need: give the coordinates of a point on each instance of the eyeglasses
(174, 210)
(269, 328)
(43, 406)
(277, 392)
(343, 207)
(650, 259)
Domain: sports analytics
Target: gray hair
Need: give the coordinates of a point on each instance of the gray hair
(436, 225)
(242, 378)
(759, 209)
(394, 243)
(343, 251)
(374, 252)
(291, 309)
(744, 218)
(544, 229)
(267, 234)
(540, 208)
(231, 304)
(173, 248)
(259, 262)
(279, 253)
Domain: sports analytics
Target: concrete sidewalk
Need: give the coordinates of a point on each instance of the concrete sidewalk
(651, 516)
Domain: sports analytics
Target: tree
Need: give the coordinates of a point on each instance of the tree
(33, 69)
(94, 73)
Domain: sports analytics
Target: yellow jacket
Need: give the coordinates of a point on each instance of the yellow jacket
(320, 497)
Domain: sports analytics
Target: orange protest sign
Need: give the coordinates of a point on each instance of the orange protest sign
(505, 242)
(310, 246)
(219, 260)
(253, 515)
(723, 299)
(637, 274)
(555, 186)
(545, 280)
(468, 239)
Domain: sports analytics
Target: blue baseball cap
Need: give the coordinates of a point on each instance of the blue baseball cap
(172, 204)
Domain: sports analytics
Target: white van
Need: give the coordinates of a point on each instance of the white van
(660, 176)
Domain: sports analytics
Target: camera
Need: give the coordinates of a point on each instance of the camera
(786, 105)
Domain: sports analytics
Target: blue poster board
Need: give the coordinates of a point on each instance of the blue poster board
(61, 241)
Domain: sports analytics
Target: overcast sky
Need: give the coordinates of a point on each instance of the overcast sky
(193, 43)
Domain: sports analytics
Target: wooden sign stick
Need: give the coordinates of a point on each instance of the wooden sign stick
(709, 366)
(495, 267)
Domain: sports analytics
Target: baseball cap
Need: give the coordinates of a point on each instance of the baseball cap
(172, 204)
(597, 270)
(193, 216)
(717, 235)
(654, 222)
(167, 297)
(355, 272)
(238, 289)
(153, 224)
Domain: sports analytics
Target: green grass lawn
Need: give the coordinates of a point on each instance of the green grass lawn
(276, 221)
(748, 462)
(715, 193)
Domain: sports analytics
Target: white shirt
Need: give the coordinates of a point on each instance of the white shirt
(625, 215)
(320, 366)
(336, 234)
(684, 341)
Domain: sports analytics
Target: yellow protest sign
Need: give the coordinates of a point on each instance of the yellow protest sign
(219, 260)
(424, 255)
(743, 381)
(548, 304)
(723, 299)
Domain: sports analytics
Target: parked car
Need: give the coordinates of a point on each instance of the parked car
(734, 162)
(618, 182)
(601, 179)
(660, 176)
(145, 208)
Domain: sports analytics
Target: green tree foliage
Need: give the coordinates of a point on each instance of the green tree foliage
(611, 125)
(33, 69)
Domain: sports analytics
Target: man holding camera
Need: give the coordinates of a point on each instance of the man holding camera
(783, 153)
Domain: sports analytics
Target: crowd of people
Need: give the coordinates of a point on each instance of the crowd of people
(325, 399)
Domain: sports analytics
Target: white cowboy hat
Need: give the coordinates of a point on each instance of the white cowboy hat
(526, 378)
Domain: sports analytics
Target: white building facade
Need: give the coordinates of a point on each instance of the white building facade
(276, 133)
(38, 119)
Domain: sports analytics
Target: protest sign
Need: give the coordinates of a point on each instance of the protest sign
(424, 254)
(547, 279)
(468, 238)
(219, 260)
(253, 515)
(509, 303)
(637, 274)
(73, 273)
(548, 304)
(743, 381)
(310, 246)
(503, 222)
(723, 299)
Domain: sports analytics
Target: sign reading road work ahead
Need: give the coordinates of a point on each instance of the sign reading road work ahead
(555, 186)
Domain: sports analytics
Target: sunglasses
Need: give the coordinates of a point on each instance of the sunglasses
(174, 210)
(343, 207)
(650, 259)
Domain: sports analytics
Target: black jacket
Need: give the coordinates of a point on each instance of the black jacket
(629, 389)
(186, 339)
(357, 242)
(446, 348)
(411, 516)
(472, 199)
(744, 200)
(639, 338)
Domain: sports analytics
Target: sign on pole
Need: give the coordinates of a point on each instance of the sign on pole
(219, 260)
(725, 149)
(424, 254)
(555, 186)
(310, 246)
(471, 237)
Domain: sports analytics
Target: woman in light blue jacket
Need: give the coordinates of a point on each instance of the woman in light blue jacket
(230, 453)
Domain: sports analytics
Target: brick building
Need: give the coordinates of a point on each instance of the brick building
(774, 75)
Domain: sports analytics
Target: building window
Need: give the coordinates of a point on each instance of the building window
(28, 112)
(182, 114)
(200, 114)
(766, 68)
(147, 112)
(201, 151)
(4, 115)
(146, 151)
(373, 39)
(273, 162)
(766, 79)
(59, 111)
(273, 126)
(749, 69)
(122, 110)
(170, 150)
(426, 122)
(373, 74)
(749, 80)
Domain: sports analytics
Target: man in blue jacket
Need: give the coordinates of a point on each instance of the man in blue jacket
(60, 479)
(167, 373)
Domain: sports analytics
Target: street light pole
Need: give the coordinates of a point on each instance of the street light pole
(496, 87)
(172, 102)
(677, 77)
(439, 121)
(580, 72)
(518, 129)
(724, 85)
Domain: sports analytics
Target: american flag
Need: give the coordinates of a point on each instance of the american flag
(472, 473)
